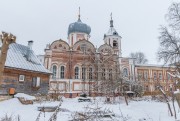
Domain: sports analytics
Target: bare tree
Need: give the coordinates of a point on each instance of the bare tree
(169, 50)
(169, 38)
(140, 57)
(173, 16)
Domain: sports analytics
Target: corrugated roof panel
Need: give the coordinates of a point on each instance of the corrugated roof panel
(16, 58)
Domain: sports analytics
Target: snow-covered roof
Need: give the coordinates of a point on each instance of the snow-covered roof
(111, 31)
(17, 58)
(151, 65)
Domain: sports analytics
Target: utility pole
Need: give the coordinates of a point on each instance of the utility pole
(6, 39)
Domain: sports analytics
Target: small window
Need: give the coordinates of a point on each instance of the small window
(114, 33)
(83, 47)
(36, 82)
(55, 47)
(21, 78)
(115, 44)
(125, 72)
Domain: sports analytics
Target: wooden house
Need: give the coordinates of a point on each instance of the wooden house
(23, 71)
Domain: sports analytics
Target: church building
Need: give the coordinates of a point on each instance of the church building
(78, 66)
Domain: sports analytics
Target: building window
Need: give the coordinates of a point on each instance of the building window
(76, 73)
(21, 78)
(83, 73)
(146, 76)
(62, 72)
(115, 44)
(125, 72)
(54, 71)
(155, 76)
(83, 47)
(160, 76)
(36, 82)
(140, 74)
(90, 73)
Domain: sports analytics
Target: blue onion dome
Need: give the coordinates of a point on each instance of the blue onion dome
(79, 26)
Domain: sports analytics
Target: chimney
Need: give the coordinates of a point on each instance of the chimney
(30, 43)
(28, 56)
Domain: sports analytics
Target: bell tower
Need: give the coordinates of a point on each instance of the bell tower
(113, 39)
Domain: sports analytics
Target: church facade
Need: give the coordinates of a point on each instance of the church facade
(78, 66)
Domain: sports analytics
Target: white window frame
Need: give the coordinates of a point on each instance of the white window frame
(21, 78)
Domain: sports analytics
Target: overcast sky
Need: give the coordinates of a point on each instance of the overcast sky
(43, 21)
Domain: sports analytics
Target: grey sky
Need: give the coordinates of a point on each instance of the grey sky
(43, 21)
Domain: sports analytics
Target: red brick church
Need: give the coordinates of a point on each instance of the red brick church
(78, 66)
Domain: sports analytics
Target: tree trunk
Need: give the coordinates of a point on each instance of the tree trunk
(164, 94)
(6, 40)
(126, 99)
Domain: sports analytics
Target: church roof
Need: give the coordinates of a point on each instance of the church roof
(111, 31)
(79, 26)
(152, 65)
(17, 58)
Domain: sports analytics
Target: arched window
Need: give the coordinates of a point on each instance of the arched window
(90, 73)
(62, 72)
(125, 72)
(115, 44)
(54, 71)
(76, 73)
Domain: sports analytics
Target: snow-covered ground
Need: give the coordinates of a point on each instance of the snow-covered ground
(144, 110)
